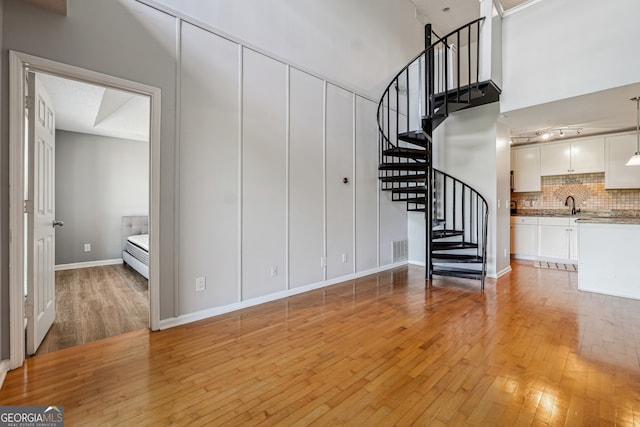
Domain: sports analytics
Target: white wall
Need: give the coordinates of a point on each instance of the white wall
(246, 181)
(263, 150)
(98, 181)
(471, 147)
(560, 49)
(360, 44)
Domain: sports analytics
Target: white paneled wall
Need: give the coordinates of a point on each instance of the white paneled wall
(339, 167)
(209, 152)
(264, 167)
(263, 151)
(366, 185)
(306, 179)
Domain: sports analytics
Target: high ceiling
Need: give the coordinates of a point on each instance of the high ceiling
(601, 112)
(447, 15)
(90, 109)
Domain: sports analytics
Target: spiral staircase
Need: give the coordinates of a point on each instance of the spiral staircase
(440, 80)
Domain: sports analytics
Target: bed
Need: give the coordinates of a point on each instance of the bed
(135, 243)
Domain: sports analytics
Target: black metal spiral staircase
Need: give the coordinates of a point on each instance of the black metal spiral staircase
(438, 81)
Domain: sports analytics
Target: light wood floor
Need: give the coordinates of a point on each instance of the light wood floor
(383, 350)
(96, 303)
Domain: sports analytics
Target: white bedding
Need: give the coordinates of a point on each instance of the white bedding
(140, 240)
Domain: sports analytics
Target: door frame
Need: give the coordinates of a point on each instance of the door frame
(18, 64)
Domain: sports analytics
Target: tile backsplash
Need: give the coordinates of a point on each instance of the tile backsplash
(587, 189)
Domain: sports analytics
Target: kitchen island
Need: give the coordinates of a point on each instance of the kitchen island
(609, 260)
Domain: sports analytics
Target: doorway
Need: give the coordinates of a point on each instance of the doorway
(101, 145)
(20, 65)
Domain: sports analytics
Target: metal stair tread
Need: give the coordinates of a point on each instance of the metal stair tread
(446, 258)
(414, 137)
(446, 246)
(418, 189)
(465, 273)
(419, 177)
(406, 166)
(411, 153)
(442, 234)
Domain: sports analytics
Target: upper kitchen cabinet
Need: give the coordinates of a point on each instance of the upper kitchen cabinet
(526, 169)
(579, 156)
(618, 150)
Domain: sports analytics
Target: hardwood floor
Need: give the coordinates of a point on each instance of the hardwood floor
(96, 303)
(382, 350)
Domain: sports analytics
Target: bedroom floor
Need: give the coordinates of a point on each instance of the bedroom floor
(96, 303)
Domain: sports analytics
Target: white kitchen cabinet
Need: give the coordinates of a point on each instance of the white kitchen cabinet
(526, 169)
(578, 156)
(618, 150)
(557, 239)
(524, 237)
(573, 240)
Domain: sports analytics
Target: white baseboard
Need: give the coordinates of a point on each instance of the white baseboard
(491, 276)
(500, 273)
(4, 368)
(88, 264)
(205, 314)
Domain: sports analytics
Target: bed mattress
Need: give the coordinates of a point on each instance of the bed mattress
(138, 247)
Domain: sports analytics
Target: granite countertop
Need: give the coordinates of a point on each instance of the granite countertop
(587, 217)
(609, 220)
(611, 215)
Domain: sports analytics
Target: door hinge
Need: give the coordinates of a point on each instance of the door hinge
(28, 206)
(29, 102)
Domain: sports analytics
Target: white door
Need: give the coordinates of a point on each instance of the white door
(41, 223)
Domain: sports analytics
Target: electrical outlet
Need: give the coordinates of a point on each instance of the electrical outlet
(201, 284)
(274, 271)
(344, 258)
(505, 252)
(323, 262)
(87, 247)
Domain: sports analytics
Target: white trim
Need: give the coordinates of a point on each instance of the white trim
(325, 227)
(4, 368)
(500, 273)
(418, 263)
(354, 200)
(17, 64)
(527, 257)
(87, 264)
(176, 162)
(16, 212)
(287, 190)
(240, 163)
(205, 314)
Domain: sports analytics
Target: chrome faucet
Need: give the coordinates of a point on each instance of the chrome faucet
(573, 204)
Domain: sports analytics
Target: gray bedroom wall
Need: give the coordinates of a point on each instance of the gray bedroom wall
(98, 181)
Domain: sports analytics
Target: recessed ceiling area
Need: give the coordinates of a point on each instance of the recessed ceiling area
(600, 112)
(447, 15)
(86, 108)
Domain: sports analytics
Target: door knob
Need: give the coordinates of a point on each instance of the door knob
(58, 223)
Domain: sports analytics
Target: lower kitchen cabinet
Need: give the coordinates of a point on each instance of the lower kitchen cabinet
(524, 237)
(544, 238)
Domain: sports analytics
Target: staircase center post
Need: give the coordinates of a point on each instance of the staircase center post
(427, 127)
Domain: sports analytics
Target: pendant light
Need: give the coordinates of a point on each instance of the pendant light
(635, 159)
